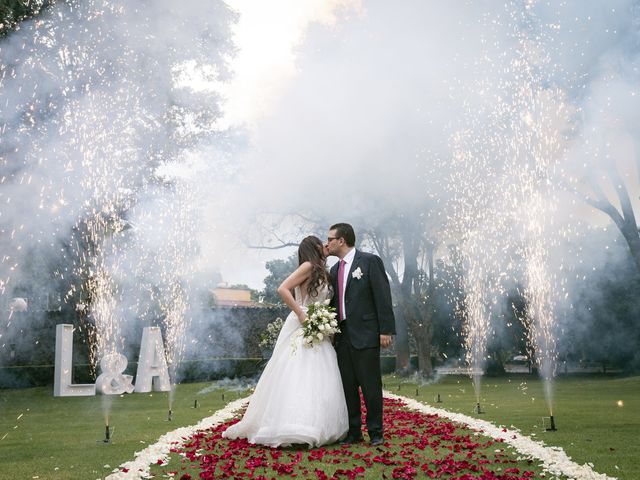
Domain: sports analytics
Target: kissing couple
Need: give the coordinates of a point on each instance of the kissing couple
(310, 395)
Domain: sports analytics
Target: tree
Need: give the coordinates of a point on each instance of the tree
(604, 155)
(12, 12)
(123, 116)
(407, 245)
(603, 323)
(448, 296)
(278, 271)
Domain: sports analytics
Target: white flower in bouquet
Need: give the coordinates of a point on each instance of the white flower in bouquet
(320, 323)
(270, 334)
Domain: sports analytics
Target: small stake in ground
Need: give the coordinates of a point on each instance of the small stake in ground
(438, 400)
(477, 409)
(552, 424)
(108, 433)
(195, 403)
(170, 415)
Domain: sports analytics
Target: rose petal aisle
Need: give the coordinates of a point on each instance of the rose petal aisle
(422, 442)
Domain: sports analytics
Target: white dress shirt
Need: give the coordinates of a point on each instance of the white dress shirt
(348, 260)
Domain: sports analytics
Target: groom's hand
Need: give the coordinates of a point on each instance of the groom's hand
(385, 341)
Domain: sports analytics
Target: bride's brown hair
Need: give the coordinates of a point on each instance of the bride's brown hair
(311, 250)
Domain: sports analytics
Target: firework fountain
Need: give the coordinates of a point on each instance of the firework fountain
(479, 224)
(540, 120)
(162, 250)
(483, 287)
(93, 267)
(506, 202)
(476, 326)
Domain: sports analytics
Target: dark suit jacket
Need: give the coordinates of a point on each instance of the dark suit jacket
(368, 307)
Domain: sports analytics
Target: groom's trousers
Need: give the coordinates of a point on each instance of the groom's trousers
(360, 368)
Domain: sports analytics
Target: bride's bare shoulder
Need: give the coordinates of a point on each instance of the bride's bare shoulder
(305, 267)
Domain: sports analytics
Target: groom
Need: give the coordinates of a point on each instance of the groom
(362, 298)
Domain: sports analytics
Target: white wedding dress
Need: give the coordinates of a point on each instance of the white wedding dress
(299, 398)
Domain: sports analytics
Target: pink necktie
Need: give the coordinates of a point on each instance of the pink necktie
(341, 289)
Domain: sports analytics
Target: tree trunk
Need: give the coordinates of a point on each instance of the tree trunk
(630, 233)
(403, 365)
(425, 369)
(629, 225)
(410, 295)
(425, 363)
(401, 342)
(625, 219)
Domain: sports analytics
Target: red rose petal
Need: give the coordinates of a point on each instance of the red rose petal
(419, 446)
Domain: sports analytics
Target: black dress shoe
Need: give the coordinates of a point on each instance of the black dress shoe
(349, 439)
(377, 440)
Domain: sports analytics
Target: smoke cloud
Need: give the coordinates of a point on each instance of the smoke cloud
(192, 130)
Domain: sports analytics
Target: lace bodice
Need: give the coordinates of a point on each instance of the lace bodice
(324, 292)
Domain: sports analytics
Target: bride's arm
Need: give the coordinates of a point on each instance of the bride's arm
(296, 279)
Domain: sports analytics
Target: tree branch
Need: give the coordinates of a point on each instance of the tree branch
(623, 195)
(600, 203)
(276, 247)
(603, 204)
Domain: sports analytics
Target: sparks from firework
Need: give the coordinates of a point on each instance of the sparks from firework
(539, 122)
(505, 200)
(82, 141)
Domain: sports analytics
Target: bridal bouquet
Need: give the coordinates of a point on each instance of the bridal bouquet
(320, 323)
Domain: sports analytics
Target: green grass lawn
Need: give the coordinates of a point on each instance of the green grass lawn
(59, 438)
(48, 437)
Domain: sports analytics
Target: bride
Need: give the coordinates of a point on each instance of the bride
(299, 397)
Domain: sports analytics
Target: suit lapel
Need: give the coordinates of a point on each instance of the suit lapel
(334, 278)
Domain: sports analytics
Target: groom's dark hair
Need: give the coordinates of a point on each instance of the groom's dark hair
(344, 230)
